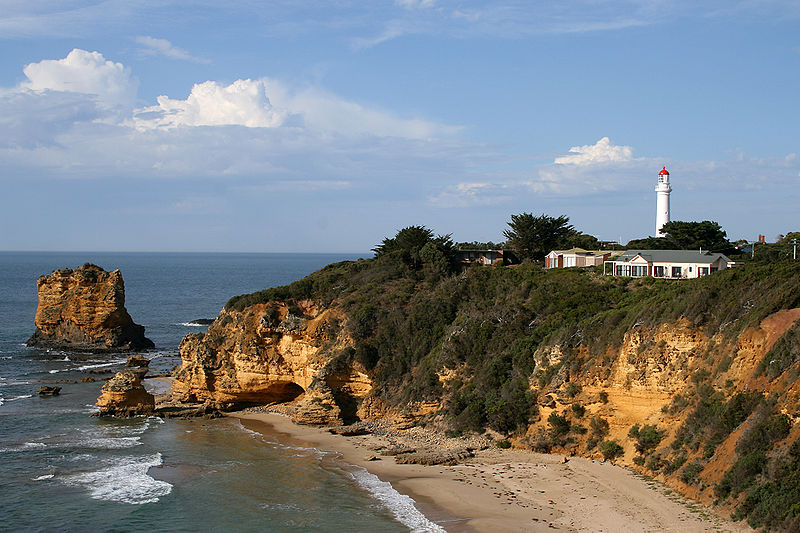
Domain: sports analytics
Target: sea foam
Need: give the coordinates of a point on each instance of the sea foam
(126, 481)
(401, 506)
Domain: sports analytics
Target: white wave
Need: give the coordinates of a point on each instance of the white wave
(6, 357)
(5, 382)
(24, 447)
(22, 397)
(66, 358)
(400, 505)
(126, 481)
(86, 367)
(192, 325)
(40, 478)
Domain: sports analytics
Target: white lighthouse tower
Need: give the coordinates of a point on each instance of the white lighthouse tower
(662, 205)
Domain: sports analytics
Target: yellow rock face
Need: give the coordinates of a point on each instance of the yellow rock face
(84, 309)
(267, 355)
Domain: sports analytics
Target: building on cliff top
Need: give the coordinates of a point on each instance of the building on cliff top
(666, 264)
(576, 257)
(485, 257)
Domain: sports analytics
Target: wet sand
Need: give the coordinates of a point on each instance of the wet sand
(511, 490)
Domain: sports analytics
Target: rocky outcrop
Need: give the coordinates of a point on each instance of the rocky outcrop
(266, 354)
(125, 396)
(84, 310)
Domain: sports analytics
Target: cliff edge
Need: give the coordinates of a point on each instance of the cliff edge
(84, 310)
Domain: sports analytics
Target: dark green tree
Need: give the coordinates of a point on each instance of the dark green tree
(533, 237)
(579, 240)
(707, 235)
(416, 245)
(679, 235)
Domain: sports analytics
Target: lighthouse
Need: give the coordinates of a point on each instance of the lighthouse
(662, 201)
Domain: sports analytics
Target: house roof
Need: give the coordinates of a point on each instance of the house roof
(581, 251)
(673, 256)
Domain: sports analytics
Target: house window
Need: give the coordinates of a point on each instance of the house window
(714, 269)
(618, 270)
(638, 271)
(702, 271)
(676, 272)
(659, 271)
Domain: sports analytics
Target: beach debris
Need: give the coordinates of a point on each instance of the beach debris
(435, 457)
(350, 431)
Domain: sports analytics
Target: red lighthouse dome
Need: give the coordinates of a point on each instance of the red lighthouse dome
(663, 172)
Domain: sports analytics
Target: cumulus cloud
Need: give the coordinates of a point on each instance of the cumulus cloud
(603, 151)
(155, 46)
(85, 73)
(242, 103)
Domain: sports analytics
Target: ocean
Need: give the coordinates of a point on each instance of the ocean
(62, 469)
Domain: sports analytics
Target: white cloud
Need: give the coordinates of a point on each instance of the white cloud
(85, 73)
(325, 112)
(603, 151)
(415, 4)
(471, 194)
(242, 103)
(155, 46)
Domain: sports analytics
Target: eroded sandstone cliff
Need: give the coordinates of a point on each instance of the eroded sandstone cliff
(84, 310)
(694, 383)
(267, 354)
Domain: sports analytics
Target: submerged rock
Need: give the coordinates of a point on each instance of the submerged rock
(49, 391)
(124, 395)
(84, 310)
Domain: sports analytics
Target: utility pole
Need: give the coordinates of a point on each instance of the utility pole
(794, 253)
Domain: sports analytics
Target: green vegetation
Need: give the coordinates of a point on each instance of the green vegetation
(533, 237)
(679, 235)
(647, 437)
(611, 449)
(413, 319)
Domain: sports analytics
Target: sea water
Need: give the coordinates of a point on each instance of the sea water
(63, 470)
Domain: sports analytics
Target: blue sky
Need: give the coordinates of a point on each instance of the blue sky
(304, 126)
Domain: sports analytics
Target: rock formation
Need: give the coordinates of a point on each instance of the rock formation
(84, 310)
(124, 395)
(261, 356)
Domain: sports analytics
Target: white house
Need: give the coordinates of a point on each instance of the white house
(575, 257)
(666, 264)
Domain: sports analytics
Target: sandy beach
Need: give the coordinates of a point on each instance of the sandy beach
(511, 490)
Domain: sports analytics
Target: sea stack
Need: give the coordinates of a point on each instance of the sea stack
(84, 310)
(125, 396)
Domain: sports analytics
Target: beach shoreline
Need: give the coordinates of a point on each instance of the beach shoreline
(512, 490)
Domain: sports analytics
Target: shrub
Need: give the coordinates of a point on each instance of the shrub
(573, 389)
(690, 474)
(504, 444)
(611, 449)
(578, 410)
(647, 437)
(599, 426)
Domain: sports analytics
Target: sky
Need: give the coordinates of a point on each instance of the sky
(326, 126)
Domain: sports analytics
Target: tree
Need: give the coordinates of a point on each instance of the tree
(579, 240)
(416, 245)
(678, 235)
(707, 235)
(533, 237)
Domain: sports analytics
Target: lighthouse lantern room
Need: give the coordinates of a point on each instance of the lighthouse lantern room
(662, 204)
